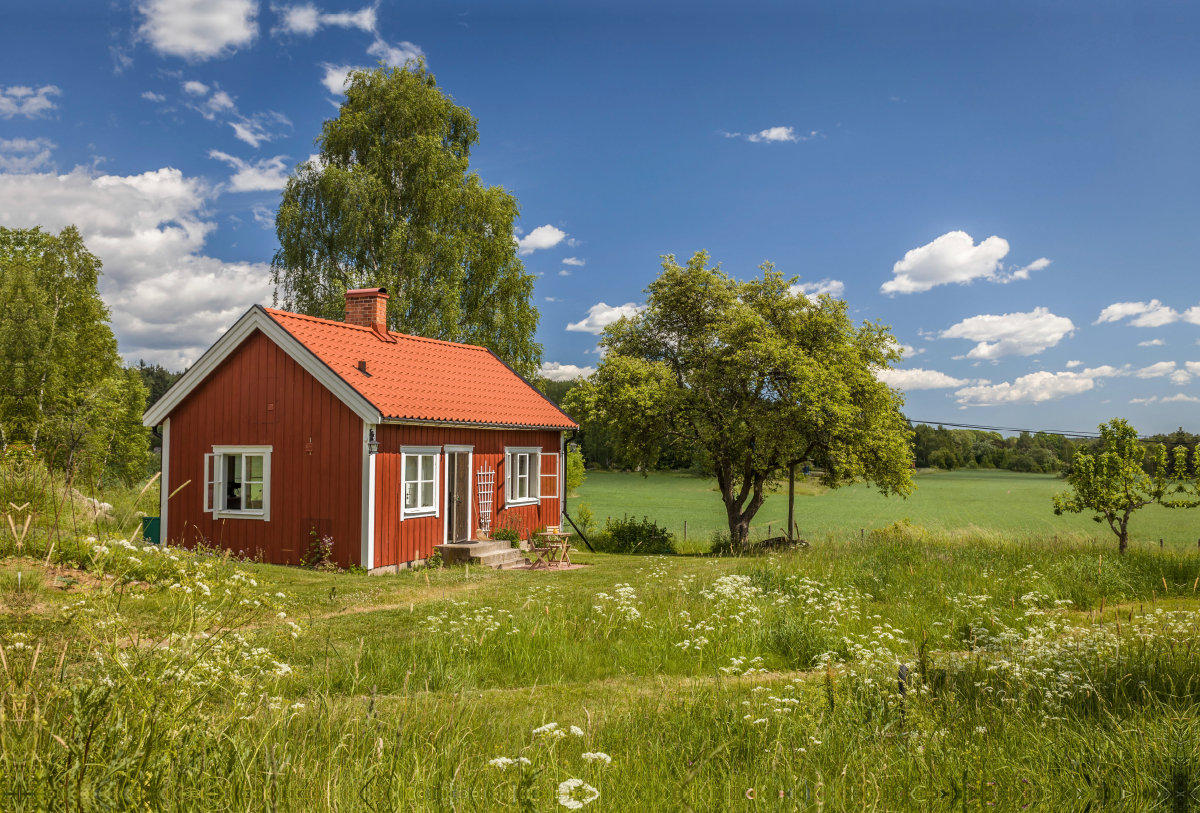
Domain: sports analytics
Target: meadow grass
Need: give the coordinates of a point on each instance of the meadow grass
(1043, 674)
(1010, 502)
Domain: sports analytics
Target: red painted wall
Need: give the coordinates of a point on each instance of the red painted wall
(400, 542)
(319, 490)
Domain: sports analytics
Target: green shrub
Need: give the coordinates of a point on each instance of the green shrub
(631, 536)
(506, 534)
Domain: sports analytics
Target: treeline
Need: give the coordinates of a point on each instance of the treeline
(933, 447)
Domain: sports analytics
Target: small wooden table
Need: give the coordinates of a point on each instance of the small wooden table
(558, 546)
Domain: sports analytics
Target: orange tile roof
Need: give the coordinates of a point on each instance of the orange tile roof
(425, 379)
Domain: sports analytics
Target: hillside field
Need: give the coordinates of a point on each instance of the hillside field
(1002, 501)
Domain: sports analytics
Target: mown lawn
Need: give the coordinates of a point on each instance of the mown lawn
(1044, 675)
(1002, 501)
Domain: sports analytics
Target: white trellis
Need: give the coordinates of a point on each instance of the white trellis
(487, 486)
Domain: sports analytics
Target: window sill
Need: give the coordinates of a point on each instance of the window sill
(240, 515)
(519, 503)
(417, 512)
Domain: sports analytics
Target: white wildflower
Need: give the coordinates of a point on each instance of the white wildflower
(575, 793)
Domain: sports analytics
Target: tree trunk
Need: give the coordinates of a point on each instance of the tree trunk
(1123, 537)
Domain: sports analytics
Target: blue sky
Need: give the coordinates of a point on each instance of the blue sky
(1014, 187)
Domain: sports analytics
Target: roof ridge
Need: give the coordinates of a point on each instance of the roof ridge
(393, 333)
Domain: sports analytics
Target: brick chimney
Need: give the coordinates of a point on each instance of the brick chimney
(367, 307)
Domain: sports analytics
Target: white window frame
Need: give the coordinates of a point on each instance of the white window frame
(560, 462)
(216, 506)
(417, 451)
(534, 474)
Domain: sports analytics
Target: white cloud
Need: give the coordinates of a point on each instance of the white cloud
(169, 301)
(264, 174)
(1034, 388)
(954, 258)
(260, 127)
(198, 29)
(573, 261)
(812, 290)
(542, 237)
(1022, 334)
(774, 134)
(264, 217)
(307, 19)
(395, 55)
(601, 316)
(151, 96)
(1147, 314)
(1149, 400)
(1074, 363)
(564, 273)
(195, 88)
(335, 77)
(564, 372)
(1152, 343)
(24, 154)
(18, 100)
(1158, 370)
(1179, 396)
(1106, 371)
(919, 379)
(1193, 367)
(1180, 377)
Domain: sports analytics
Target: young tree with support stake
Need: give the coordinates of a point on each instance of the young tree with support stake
(1114, 485)
(757, 376)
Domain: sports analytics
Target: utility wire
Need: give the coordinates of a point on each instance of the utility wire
(1089, 435)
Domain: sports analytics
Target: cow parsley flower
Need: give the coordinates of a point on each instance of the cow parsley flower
(597, 756)
(575, 793)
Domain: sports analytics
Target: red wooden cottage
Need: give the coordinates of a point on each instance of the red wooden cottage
(292, 429)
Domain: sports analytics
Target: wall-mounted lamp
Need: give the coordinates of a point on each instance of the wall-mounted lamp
(372, 444)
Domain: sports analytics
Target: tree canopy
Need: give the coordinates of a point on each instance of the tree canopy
(754, 375)
(63, 390)
(389, 202)
(1115, 482)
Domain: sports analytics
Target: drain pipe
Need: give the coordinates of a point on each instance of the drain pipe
(574, 432)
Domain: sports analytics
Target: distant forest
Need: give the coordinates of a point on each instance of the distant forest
(933, 447)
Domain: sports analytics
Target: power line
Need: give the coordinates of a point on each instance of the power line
(1090, 435)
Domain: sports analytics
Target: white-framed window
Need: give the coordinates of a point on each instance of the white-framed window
(521, 467)
(420, 487)
(237, 482)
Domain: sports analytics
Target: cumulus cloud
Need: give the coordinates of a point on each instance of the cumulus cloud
(1152, 343)
(151, 96)
(954, 258)
(24, 154)
(18, 100)
(1147, 314)
(1021, 334)
(1149, 400)
(564, 273)
(564, 372)
(1180, 397)
(197, 30)
(395, 55)
(169, 300)
(919, 379)
(1074, 363)
(542, 237)
(262, 175)
(307, 19)
(573, 261)
(601, 316)
(260, 127)
(335, 77)
(195, 88)
(773, 134)
(812, 290)
(1034, 388)
(1162, 368)
(1180, 377)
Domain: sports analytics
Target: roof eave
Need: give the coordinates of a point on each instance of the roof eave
(475, 424)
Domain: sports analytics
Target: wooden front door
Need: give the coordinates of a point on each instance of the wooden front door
(459, 499)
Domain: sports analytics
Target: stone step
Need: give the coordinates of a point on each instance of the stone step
(497, 558)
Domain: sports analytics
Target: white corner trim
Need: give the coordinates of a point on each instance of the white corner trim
(367, 552)
(258, 319)
(164, 488)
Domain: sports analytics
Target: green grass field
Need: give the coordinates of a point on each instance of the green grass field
(1007, 502)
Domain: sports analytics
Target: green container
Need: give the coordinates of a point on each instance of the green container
(150, 529)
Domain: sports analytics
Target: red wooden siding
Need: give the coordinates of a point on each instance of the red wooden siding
(399, 542)
(321, 490)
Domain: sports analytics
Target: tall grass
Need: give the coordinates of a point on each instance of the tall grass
(704, 681)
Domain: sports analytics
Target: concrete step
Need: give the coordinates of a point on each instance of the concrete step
(497, 558)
